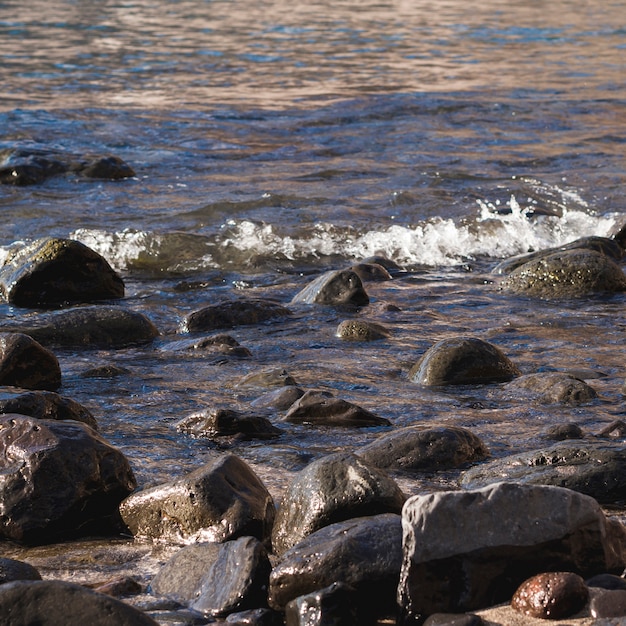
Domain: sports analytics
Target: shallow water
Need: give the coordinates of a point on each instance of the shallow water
(273, 141)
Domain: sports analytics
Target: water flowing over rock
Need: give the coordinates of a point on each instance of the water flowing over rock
(337, 287)
(59, 478)
(332, 489)
(222, 500)
(25, 363)
(360, 330)
(50, 271)
(555, 388)
(465, 550)
(463, 361)
(219, 423)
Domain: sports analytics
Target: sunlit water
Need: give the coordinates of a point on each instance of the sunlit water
(272, 141)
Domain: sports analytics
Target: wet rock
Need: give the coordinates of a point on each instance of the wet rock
(105, 167)
(59, 479)
(273, 377)
(416, 448)
(11, 570)
(360, 330)
(340, 287)
(216, 423)
(555, 388)
(217, 579)
(566, 274)
(372, 272)
(561, 432)
(119, 587)
(595, 469)
(608, 604)
(280, 399)
(466, 550)
(606, 581)
(552, 595)
(463, 361)
(215, 344)
(222, 500)
(256, 617)
(106, 371)
(332, 489)
(231, 313)
(390, 265)
(454, 619)
(53, 602)
(313, 408)
(88, 327)
(50, 271)
(47, 405)
(365, 553)
(334, 605)
(25, 363)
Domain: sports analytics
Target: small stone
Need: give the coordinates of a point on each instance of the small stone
(119, 587)
(360, 330)
(561, 432)
(609, 604)
(276, 377)
(334, 288)
(217, 423)
(553, 595)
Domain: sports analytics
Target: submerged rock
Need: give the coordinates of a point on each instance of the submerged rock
(335, 604)
(338, 287)
(273, 377)
(25, 363)
(371, 272)
(555, 388)
(360, 330)
(216, 423)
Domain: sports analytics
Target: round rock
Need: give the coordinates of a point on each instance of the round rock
(340, 287)
(555, 388)
(361, 330)
(25, 363)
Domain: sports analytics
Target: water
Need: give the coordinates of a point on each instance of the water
(274, 141)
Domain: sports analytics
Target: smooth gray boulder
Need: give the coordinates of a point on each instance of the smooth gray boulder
(217, 579)
(336, 287)
(216, 424)
(463, 361)
(465, 550)
(25, 363)
(554, 388)
(11, 570)
(222, 500)
(332, 489)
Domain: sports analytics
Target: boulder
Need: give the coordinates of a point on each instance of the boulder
(597, 469)
(281, 398)
(220, 501)
(11, 570)
(465, 550)
(52, 271)
(53, 602)
(364, 553)
(373, 272)
(338, 287)
(231, 313)
(463, 361)
(334, 488)
(59, 479)
(216, 579)
(416, 448)
(220, 344)
(554, 388)
(25, 363)
(104, 167)
(361, 330)
(273, 377)
(336, 604)
(218, 423)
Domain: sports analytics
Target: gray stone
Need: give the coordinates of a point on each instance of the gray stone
(361, 330)
(218, 423)
(220, 501)
(25, 363)
(463, 361)
(608, 604)
(334, 488)
(554, 388)
(11, 570)
(333, 606)
(338, 287)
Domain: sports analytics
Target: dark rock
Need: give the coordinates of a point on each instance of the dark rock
(50, 271)
(552, 595)
(371, 272)
(256, 617)
(555, 388)
(52, 602)
(561, 432)
(105, 167)
(334, 488)
(280, 399)
(608, 604)
(216, 423)
(88, 327)
(222, 500)
(274, 377)
(463, 361)
(469, 550)
(454, 619)
(613, 430)
(215, 344)
(26, 363)
(119, 587)
(333, 606)
(360, 330)
(365, 553)
(388, 264)
(606, 581)
(340, 287)
(424, 449)
(11, 570)
(217, 579)
(59, 479)
(595, 469)
(231, 313)
(313, 408)
(566, 274)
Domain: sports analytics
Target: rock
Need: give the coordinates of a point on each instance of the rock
(388, 264)
(561, 432)
(105, 371)
(595, 469)
(11, 570)
(567, 274)
(216, 423)
(466, 550)
(47, 405)
(555, 388)
(53, 602)
(365, 553)
(280, 399)
(60, 479)
(606, 581)
(274, 377)
(119, 587)
(217, 579)
(256, 617)
(215, 344)
(88, 327)
(416, 448)
(50, 271)
(463, 361)
(608, 604)
(231, 313)
(334, 488)
(340, 287)
(371, 272)
(26, 363)
(360, 330)
(454, 619)
(105, 167)
(553, 595)
(313, 408)
(220, 501)
(334, 605)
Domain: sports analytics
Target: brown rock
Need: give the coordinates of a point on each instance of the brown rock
(26, 363)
